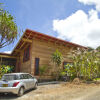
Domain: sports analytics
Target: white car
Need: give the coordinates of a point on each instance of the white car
(17, 83)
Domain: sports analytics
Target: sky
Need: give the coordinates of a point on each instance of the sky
(77, 21)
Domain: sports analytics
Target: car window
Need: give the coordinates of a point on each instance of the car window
(24, 76)
(10, 77)
(21, 76)
(29, 76)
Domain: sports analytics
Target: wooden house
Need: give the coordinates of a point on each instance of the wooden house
(35, 49)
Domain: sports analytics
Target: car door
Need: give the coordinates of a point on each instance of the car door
(31, 81)
(24, 79)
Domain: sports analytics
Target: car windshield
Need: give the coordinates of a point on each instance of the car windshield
(9, 77)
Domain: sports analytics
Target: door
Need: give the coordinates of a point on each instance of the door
(31, 81)
(37, 66)
(25, 80)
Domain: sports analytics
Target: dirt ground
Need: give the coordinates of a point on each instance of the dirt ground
(63, 91)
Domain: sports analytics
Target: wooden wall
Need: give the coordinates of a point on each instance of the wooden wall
(25, 66)
(44, 50)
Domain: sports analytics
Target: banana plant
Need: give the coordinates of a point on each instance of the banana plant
(86, 64)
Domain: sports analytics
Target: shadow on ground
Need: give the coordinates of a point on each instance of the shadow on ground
(9, 96)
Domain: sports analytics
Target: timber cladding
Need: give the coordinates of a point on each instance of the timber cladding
(44, 50)
(25, 66)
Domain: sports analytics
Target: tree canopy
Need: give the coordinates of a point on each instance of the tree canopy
(8, 28)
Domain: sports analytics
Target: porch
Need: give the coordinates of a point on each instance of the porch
(8, 60)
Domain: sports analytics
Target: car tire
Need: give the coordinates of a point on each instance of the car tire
(36, 84)
(21, 91)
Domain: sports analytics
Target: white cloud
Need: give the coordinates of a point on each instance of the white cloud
(92, 2)
(80, 28)
(9, 52)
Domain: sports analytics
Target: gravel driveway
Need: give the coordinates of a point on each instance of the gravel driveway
(59, 92)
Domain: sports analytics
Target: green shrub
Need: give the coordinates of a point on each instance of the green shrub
(57, 60)
(69, 70)
(86, 64)
(43, 69)
(5, 69)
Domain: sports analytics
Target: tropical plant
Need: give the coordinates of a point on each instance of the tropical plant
(57, 60)
(6, 69)
(69, 71)
(86, 64)
(42, 70)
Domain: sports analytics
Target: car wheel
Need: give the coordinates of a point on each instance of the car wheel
(21, 91)
(36, 84)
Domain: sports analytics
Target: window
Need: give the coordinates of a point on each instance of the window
(65, 63)
(29, 76)
(10, 77)
(36, 66)
(23, 76)
(26, 54)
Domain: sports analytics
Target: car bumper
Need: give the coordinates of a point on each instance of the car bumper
(13, 90)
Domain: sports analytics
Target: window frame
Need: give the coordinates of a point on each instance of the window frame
(26, 55)
(36, 71)
(66, 63)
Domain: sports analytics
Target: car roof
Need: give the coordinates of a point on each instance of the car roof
(15, 73)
